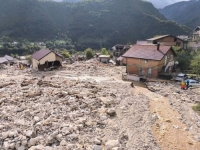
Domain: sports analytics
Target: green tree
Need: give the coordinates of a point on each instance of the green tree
(104, 51)
(195, 63)
(184, 57)
(66, 54)
(89, 53)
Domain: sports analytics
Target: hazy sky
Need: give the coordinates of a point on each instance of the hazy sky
(157, 3)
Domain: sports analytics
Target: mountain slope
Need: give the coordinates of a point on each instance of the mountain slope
(186, 12)
(91, 23)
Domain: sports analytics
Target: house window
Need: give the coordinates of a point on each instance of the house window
(172, 57)
(140, 71)
(175, 39)
(178, 43)
(184, 46)
(149, 71)
(145, 61)
(155, 42)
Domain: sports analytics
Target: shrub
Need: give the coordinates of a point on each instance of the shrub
(196, 107)
(89, 53)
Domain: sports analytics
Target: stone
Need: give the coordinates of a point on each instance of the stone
(111, 144)
(102, 118)
(29, 133)
(5, 135)
(96, 147)
(32, 142)
(36, 119)
(97, 141)
(12, 134)
(50, 139)
(116, 148)
(17, 145)
(6, 145)
(40, 147)
(111, 111)
(59, 137)
(21, 148)
(24, 142)
(70, 146)
(63, 143)
(12, 145)
(65, 131)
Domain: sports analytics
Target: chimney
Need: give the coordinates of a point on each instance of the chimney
(158, 46)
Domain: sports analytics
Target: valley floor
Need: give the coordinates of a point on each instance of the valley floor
(86, 105)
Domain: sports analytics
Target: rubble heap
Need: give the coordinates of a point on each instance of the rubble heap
(58, 112)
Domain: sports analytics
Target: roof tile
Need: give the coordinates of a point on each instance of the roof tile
(41, 53)
(147, 52)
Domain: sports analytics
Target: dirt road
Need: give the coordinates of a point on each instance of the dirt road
(169, 131)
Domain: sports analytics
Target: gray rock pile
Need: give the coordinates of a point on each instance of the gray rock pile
(83, 107)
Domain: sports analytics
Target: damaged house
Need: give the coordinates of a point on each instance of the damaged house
(46, 58)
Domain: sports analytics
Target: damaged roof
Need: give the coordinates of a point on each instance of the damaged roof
(3, 60)
(9, 58)
(149, 52)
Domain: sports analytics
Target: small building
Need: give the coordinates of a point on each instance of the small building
(3, 60)
(196, 34)
(168, 40)
(10, 59)
(46, 58)
(96, 55)
(119, 50)
(104, 58)
(149, 60)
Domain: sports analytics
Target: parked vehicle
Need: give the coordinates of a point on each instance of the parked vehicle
(181, 76)
(193, 83)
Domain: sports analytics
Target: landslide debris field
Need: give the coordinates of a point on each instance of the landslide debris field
(87, 106)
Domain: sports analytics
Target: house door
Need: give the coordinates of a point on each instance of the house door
(140, 71)
(149, 71)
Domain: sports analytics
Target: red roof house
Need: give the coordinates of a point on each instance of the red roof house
(149, 60)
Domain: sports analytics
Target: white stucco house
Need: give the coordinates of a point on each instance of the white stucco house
(104, 58)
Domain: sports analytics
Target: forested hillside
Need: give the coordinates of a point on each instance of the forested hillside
(185, 12)
(92, 23)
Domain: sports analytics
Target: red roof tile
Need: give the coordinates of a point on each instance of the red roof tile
(147, 52)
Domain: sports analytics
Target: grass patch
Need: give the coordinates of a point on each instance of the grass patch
(196, 107)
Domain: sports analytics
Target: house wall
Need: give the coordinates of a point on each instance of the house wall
(35, 63)
(134, 66)
(50, 57)
(142, 67)
(104, 60)
(170, 41)
(59, 59)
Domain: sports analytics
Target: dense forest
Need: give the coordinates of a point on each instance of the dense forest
(185, 12)
(90, 23)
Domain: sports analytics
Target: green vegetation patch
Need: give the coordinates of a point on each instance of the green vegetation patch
(196, 107)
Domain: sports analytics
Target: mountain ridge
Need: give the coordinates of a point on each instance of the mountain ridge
(181, 13)
(89, 23)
